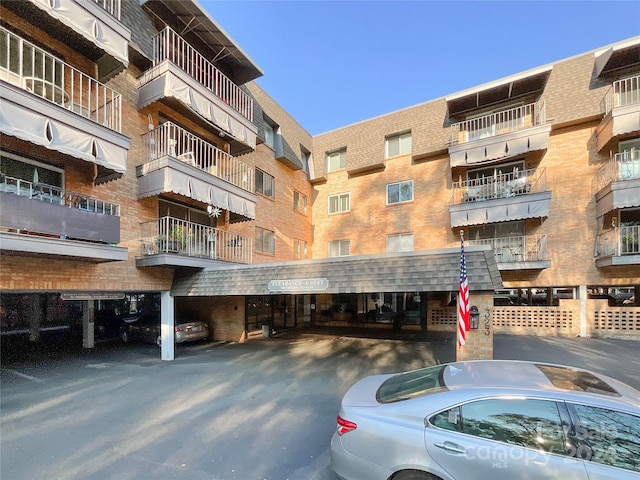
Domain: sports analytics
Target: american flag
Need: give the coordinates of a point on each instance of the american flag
(463, 298)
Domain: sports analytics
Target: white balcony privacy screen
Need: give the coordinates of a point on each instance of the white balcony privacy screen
(535, 205)
(181, 183)
(22, 122)
(84, 17)
(170, 85)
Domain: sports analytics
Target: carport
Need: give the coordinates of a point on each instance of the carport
(220, 293)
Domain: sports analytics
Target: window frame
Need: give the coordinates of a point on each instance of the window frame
(340, 244)
(259, 243)
(300, 249)
(400, 190)
(400, 236)
(273, 183)
(339, 197)
(296, 204)
(399, 137)
(342, 160)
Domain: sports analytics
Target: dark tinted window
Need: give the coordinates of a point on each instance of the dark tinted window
(412, 384)
(579, 380)
(449, 420)
(613, 437)
(523, 422)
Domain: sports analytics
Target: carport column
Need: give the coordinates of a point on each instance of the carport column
(582, 295)
(479, 342)
(166, 325)
(88, 327)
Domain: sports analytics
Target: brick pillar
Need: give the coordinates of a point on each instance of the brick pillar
(479, 343)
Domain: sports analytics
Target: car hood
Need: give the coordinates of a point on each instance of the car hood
(363, 392)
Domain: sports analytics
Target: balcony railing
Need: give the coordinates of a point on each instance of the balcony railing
(623, 240)
(170, 139)
(501, 185)
(168, 45)
(168, 235)
(623, 166)
(56, 195)
(506, 121)
(527, 248)
(111, 6)
(622, 92)
(25, 65)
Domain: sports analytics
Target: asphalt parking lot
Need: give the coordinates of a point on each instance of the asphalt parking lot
(262, 410)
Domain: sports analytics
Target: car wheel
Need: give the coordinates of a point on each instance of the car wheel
(414, 475)
(125, 337)
(159, 341)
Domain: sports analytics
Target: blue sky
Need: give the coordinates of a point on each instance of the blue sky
(334, 63)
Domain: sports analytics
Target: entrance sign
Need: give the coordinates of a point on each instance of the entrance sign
(92, 296)
(299, 285)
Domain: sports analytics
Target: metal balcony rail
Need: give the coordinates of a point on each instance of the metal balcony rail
(170, 139)
(168, 45)
(111, 6)
(526, 248)
(622, 240)
(622, 92)
(168, 235)
(59, 196)
(506, 121)
(32, 69)
(501, 185)
(622, 166)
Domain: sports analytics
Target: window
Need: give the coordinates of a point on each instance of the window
(529, 423)
(400, 242)
(629, 159)
(499, 173)
(339, 203)
(400, 192)
(337, 160)
(265, 241)
(398, 145)
(339, 248)
(271, 129)
(612, 436)
(299, 202)
(305, 157)
(264, 184)
(300, 249)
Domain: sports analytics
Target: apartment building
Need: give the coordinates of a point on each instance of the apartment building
(143, 170)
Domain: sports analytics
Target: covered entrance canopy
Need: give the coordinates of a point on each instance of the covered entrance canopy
(428, 271)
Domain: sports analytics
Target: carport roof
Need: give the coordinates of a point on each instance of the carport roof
(431, 271)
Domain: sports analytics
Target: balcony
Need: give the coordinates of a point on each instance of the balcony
(528, 252)
(181, 74)
(50, 221)
(618, 246)
(499, 135)
(182, 163)
(48, 102)
(621, 106)
(93, 26)
(504, 197)
(170, 241)
(617, 183)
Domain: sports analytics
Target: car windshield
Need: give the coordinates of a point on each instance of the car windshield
(412, 384)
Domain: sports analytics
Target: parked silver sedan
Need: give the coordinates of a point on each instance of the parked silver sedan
(489, 420)
(147, 329)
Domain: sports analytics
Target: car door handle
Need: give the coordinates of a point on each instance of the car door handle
(451, 447)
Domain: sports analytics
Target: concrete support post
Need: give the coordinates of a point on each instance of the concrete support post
(479, 342)
(167, 325)
(583, 295)
(88, 326)
(35, 314)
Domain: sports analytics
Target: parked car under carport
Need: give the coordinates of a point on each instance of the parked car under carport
(147, 329)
